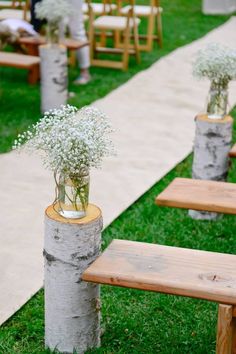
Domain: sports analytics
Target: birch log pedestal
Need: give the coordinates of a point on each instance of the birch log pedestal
(54, 76)
(72, 311)
(211, 148)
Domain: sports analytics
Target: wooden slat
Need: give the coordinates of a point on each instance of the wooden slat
(196, 194)
(68, 42)
(179, 271)
(18, 60)
(232, 152)
(107, 50)
(107, 64)
(73, 44)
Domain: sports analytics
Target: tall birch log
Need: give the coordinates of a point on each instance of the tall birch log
(72, 310)
(54, 76)
(211, 148)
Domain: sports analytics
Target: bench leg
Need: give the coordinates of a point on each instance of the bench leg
(33, 75)
(72, 58)
(226, 340)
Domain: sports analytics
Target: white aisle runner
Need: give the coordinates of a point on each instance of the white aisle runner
(153, 115)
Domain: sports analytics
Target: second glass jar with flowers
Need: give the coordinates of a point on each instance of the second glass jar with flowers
(217, 101)
(218, 64)
(72, 194)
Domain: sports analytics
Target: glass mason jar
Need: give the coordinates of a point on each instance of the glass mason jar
(217, 100)
(72, 194)
(52, 33)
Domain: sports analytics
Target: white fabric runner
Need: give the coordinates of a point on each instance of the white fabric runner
(153, 115)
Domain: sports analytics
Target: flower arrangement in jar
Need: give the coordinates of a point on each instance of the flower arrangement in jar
(218, 64)
(71, 142)
(53, 11)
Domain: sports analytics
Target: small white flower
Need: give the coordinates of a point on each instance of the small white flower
(52, 11)
(69, 139)
(217, 63)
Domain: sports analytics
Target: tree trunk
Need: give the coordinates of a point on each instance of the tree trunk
(72, 310)
(54, 76)
(211, 148)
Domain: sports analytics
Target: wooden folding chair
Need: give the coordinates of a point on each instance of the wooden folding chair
(119, 25)
(153, 14)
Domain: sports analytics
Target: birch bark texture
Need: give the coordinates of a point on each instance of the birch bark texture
(72, 306)
(212, 144)
(54, 76)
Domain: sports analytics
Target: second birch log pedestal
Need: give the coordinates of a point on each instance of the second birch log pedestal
(54, 76)
(211, 148)
(72, 310)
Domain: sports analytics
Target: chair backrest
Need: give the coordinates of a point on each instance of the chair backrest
(121, 3)
(108, 9)
(155, 3)
(18, 3)
(131, 4)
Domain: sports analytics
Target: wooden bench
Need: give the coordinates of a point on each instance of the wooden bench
(171, 270)
(186, 193)
(232, 152)
(22, 61)
(32, 44)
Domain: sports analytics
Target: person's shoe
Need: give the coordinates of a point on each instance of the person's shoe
(82, 80)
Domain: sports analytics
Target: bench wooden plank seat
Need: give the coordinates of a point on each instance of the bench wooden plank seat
(232, 152)
(186, 193)
(32, 44)
(22, 61)
(68, 42)
(179, 271)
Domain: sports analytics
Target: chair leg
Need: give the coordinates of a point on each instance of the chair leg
(226, 340)
(136, 45)
(103, 39)
(91, 38)
(72, 58)
(117, 39)
(150, 32)
(91, 34)
(25, 10)
(33, 75)
(159, 29)
(126, 48)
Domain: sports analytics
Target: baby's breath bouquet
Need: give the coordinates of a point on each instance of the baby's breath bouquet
(70, 142)
(218, 64)
(53, 11)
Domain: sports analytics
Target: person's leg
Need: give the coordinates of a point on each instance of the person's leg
(77, 32)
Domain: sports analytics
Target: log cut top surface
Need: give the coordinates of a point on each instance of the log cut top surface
(196, 194)
(68, 42)
(232, 152)
(204, 117)
(172, 270)
(93, 214)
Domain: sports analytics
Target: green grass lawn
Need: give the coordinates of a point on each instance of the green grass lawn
(134, 321)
